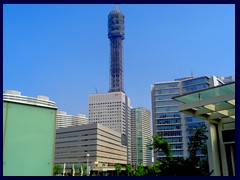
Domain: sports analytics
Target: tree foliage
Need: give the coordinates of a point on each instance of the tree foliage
(153, 170)
(197, 142)
(118, 169)
(128, 169)
(139, 171)
(57, 169)
(158, 144)
(192, 166)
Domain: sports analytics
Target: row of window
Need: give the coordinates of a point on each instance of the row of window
(106, 103)
(86, 135)
(114, 143)
(112, 108)
(174, 153)
(105, 115)
(195, 81)
(166, 85)
(195, 88)
(176, 146)
(177, 152)
(168, 121)
(92, 156)
(166, 103)
(168, 127)
(79, 135)
(89, 145)
(192, 119)
(167, 91)
(165, 97)
(167, 115)
(173, 139)
(195, 125)
(170, 133)
(164, 109)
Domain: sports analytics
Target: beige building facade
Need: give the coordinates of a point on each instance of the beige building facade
(101, 143)
(113, 111)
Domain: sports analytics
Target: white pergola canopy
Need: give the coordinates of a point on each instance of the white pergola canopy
(212, 104)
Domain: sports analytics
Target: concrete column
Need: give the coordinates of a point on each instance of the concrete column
(213, 150)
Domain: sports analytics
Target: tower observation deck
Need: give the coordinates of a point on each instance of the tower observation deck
(116, 36)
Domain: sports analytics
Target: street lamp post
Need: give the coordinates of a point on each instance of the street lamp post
(87, 165)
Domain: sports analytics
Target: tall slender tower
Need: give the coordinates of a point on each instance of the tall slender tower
(116, 36)
(112, 109)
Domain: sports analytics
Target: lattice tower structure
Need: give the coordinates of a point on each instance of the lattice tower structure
(116, 36)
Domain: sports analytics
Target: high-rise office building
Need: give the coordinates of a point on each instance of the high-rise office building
(66, 120)
(116, 36)
(168, 121)
(112, 110)
(141, 136)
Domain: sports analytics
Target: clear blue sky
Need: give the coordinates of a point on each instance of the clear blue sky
(63, 52)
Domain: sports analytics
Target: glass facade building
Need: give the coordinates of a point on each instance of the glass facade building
(141, 133)
(167, 121)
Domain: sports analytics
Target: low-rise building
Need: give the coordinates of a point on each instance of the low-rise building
(28, 135)
(103, 145)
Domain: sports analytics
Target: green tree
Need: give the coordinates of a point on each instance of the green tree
(57, 169)
(193, 165)
(159, 144)
(198, 143)
(128, 169)
(139, 171)
(118, 169)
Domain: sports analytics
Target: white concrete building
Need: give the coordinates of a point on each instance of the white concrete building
(227, 79)
(112, 110)
(66, 120)
(15, 96)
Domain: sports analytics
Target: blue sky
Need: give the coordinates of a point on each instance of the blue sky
(63, 52)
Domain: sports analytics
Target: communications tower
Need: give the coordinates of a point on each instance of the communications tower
(116, 36)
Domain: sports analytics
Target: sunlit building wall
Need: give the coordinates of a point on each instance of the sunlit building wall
(103, 145)
(112, 110)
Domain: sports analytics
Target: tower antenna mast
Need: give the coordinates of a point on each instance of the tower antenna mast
(116, 6)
